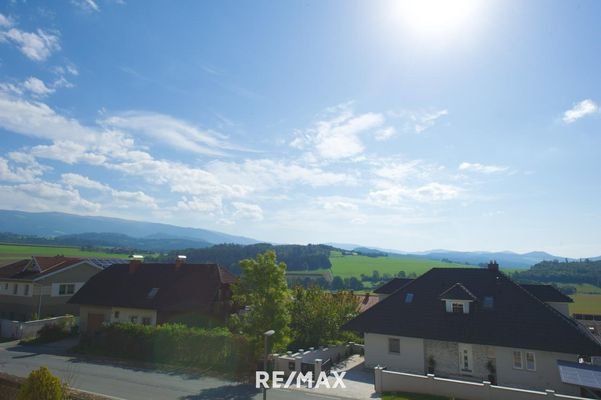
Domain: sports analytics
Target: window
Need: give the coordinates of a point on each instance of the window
(394, 346)
(116, 314)
(26, 290)
(16, 288)
(517, 360)
(409, 298)
(134, 319)
(153, 292)
(146, 321)
(530, 361)
(457, 308)
(489, 302)
(66, 289)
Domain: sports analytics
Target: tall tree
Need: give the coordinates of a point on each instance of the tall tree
(262, 287)
(317, 316)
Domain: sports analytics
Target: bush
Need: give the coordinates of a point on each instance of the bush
(217, 349)
(41, 385)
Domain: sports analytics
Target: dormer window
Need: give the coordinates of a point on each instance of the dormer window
(488, 302)
(409, 298)
(457, 308)
(457, 299)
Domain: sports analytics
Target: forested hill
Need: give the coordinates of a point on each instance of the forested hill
(296, 257)
(585, 271)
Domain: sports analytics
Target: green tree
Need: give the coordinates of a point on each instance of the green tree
(317, 316)
(337, 283)
(262, 287)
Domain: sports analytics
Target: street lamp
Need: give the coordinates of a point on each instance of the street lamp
(267, 334)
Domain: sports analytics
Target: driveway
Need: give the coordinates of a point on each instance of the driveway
(359, 381)
(121, 381)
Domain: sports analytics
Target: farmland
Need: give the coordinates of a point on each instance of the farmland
(13, 252)
(347, 266)
(586, 304)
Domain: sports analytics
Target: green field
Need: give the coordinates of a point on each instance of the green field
(347, 266)
(13, 252)
(586, 304)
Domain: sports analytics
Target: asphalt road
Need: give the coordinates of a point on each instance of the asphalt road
(125, 382)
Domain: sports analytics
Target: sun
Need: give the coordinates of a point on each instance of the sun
(435, 17)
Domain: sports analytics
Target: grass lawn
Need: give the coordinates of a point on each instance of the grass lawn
(411, 396)
(347, 266)
(13, 252)
(586, 304)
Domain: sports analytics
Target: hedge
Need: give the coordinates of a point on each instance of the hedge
(217, 349)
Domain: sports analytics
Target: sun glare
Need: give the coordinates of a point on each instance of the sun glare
(435, 17)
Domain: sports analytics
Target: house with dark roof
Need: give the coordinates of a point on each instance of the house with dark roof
(155, 293)
(42, 286)
(476, 324)
(391, 286)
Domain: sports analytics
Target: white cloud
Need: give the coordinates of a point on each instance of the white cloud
(201, 204)
(121, 198)
(37, 87)
(385, 133)
(418, 121)
(86, 5)
(485, 169)
(394, 195)
(28, 173)
(247, 211)
(68, 152)
(337, 204)
(171, 131)
(338, 137)
(37, 46)
(579, 110)
(45, 196)
(397, 170)
(5, 22)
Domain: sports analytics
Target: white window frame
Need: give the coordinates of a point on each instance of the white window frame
(397, 340)
(65, 286)
(530, 353)
(133, 319)
(16, 289)
(459, 306)
(513, 359)
(26, 290)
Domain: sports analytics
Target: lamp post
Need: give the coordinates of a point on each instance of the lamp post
(267, 335)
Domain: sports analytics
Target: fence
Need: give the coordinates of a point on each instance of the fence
(21, 330)
(314, 359)
(390, 381)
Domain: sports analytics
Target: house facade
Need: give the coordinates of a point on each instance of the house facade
(155, 293)
(42, 286)
(476, 324)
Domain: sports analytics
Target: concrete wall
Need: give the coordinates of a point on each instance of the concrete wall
(410, 359)
(390, 381)
(20, 330)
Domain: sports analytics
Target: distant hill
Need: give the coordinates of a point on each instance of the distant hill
(52, 224)
(505, 259)
(574, 272)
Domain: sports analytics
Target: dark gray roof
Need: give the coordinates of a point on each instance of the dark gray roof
(392, 285)
(458, 292)
(547, 293)
(155, 286)
(517, 319)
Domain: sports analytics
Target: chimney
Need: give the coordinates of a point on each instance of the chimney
(493, 266)
(134, 263)
(179, 261)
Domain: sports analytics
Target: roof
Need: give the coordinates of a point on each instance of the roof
(157, 286)
(392, 285)
(39, 266)
(547, 293)
(458, 292)
(517, 318)
(366, 301)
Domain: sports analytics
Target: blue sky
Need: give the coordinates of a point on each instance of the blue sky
(473, 126)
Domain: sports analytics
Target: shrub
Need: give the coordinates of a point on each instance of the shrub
(41, 385)
(176, 344)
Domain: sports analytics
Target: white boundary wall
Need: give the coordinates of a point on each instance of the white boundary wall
(390, 381)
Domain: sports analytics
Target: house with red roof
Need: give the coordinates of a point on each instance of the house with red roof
(41, 286)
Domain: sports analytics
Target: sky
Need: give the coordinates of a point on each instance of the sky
(463, 125)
